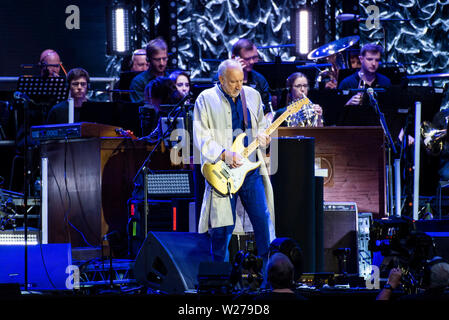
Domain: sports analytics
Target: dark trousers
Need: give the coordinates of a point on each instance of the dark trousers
(252, 195)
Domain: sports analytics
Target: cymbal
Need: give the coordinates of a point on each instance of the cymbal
(333, 47)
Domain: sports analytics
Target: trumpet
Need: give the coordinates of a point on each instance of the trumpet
(432, 137)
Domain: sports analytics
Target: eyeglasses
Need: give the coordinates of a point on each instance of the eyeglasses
(299, 86)
(76, 84)
(255, 58)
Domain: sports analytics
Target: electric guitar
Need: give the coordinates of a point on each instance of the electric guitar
(226, 180)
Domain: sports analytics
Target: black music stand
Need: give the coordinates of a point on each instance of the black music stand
(44, 90)
(37, 91)
(120, 114)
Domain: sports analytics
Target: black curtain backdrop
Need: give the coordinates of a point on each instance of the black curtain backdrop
(27, 27)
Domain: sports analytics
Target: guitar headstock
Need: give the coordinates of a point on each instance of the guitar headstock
(300, 111)
(296, 105)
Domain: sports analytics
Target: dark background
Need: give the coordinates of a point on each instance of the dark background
(27, 27)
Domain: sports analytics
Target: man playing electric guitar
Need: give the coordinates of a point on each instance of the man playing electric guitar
(220, 114)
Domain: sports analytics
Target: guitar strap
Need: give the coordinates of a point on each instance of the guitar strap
(245, 110)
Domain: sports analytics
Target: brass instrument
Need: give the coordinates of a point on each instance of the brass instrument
(305, 117)
(432, 137)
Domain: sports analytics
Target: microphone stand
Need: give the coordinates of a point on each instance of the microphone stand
(144, 169)
(391, 148)
(26, 156)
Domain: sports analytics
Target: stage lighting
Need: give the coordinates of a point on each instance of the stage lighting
(119, 25)
(170, 184)
(302, 31)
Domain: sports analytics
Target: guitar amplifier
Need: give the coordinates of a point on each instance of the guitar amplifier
(340, 237)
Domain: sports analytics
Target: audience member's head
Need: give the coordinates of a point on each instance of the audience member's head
(280, 271)
(438, 273)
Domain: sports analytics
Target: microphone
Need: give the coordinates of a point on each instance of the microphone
(370, 92)
(184, 99)
(372, 99)
(21, 96)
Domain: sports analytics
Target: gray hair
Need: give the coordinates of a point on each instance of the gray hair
(439, 275)
(227, 64)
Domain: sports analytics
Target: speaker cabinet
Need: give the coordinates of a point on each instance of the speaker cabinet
(293, 182)
(169, 261)
(340, 232)
(163, 215)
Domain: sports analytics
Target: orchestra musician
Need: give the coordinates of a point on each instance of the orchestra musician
(367, 76)
(50, 63)
(78, 80)
(157, 57)
(298, 88)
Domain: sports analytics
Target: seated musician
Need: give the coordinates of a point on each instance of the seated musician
(50, 63)
(158, 93)
(157, 57)
(182, 81)
(139, 61)
(358, 109)
(78, 80)
(130, 68)
(309, 116)
(330, 77)
(367, 76)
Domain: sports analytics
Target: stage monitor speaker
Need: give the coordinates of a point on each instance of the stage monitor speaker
(340, 233)
(47, 265)
(169, 261)
(293, 182)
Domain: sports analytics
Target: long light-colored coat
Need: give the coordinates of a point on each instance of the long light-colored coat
(212, 133)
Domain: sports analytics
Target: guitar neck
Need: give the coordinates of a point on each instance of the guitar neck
(294, 107)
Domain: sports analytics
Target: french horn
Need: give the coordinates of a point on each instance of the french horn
(432, 137)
